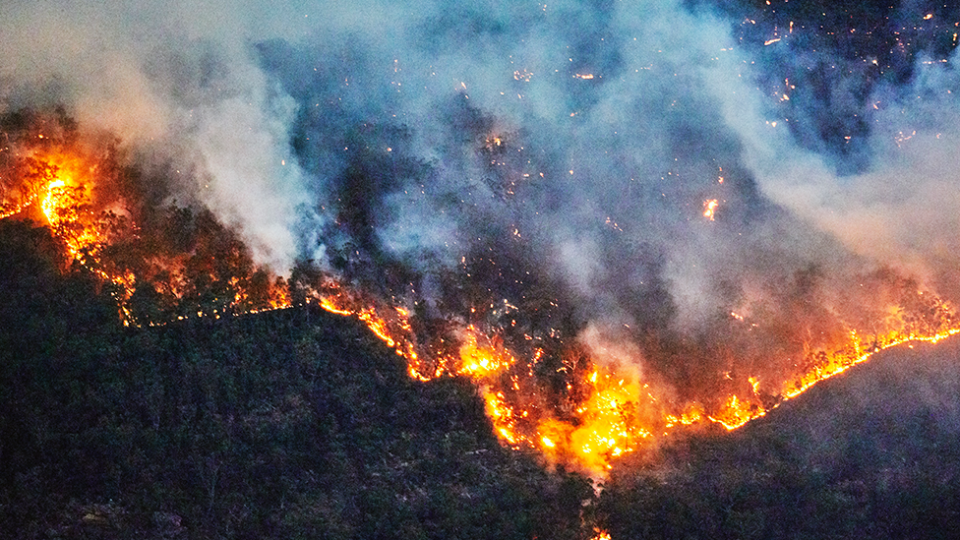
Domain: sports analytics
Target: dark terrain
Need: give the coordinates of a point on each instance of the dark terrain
(872, 453)
(301, 424)
(288, 424)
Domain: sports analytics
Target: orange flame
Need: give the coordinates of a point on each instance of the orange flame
(608, 413)
(61, 184)
(710, 208)
(607, 423)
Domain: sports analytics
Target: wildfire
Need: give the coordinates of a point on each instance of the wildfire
(60, 184)
(737, 412)
(9, 209)
(691, 416)
(480, 362)
(503, 418)
(590, 413)
(841, 363)
(64, 208)
(607, 422)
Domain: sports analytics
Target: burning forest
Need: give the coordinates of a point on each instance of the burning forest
(571, 390)
(635, 276)
(622, 222)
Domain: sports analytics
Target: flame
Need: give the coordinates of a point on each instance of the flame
(60, 184)
(736, 412)
(279, 296)
(600, 412)
(377, 325)
(606, 430)
(74, 190)
(709, 208)
(617, 413)
(503, 418)
(10, 208)
(480, 362)
(692, 415)
(65, 201)
(329, 305)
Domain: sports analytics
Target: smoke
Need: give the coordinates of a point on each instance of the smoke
(885, 188)
(178, 84)
(556, 157)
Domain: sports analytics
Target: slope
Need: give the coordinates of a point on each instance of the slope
(872, 453)
(286, 424)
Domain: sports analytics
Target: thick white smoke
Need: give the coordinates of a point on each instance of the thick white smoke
(177, 81)
(561, 149)
(899, 210)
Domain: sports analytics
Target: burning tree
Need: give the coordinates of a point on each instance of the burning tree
(564, 387)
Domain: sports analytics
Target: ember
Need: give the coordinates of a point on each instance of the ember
(605, 411)
(618, 235)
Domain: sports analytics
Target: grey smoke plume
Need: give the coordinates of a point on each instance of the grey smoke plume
(559, 153)
(179, 82)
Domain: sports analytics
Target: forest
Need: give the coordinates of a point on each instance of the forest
(298, 423)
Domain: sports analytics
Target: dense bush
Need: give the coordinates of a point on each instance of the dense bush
(289, 424)
(300, 424)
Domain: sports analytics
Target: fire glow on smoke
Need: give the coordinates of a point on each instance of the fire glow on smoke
(619, 219)
(608, 410)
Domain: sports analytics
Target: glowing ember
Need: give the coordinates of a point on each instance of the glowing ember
(541, 392)
(709, 208)
(481, 362)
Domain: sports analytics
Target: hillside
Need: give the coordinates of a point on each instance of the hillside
(873, 453)
(301, 424)
(288, 424)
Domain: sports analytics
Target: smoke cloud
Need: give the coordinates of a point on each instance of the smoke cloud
(556, 157)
